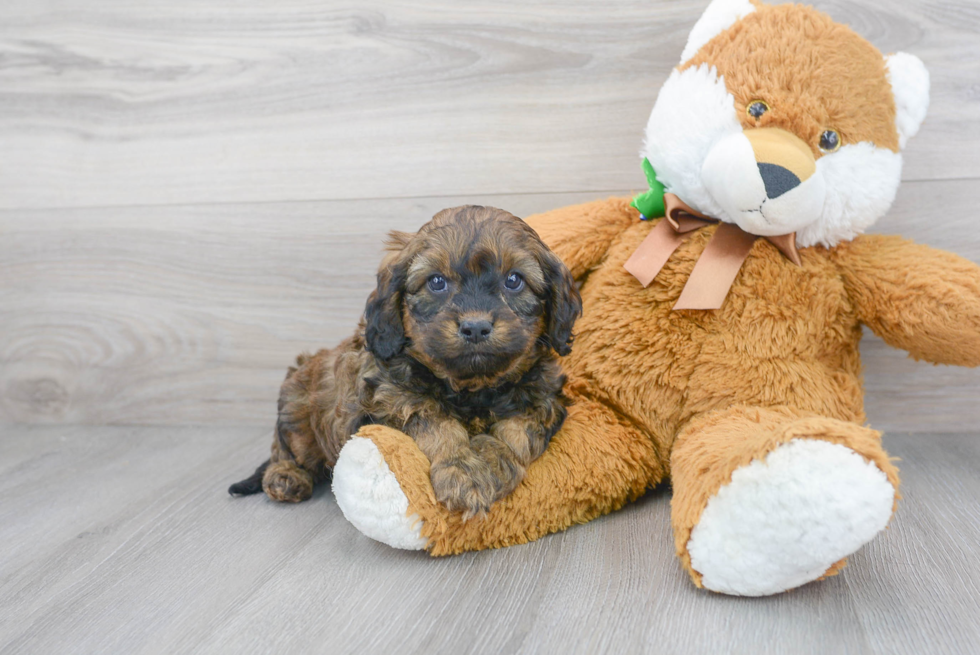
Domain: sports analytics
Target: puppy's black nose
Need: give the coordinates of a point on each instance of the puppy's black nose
(476, 331)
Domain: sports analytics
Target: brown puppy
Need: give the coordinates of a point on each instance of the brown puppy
(457, 348)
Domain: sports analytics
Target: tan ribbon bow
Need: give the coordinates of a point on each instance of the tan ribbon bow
(718, 265)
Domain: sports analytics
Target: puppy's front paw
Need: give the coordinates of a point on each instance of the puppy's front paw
(505, 469)
(465, 484)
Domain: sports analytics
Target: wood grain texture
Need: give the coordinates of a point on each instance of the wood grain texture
(190, 314)
(185, 102)
(123, 540)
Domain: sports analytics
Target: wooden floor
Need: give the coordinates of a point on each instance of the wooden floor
(193, 192)
(122, 540)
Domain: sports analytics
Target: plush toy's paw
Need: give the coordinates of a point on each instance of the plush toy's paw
(371, 498)
(787, 520)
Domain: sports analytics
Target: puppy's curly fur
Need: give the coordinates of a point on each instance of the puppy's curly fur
(458, 348)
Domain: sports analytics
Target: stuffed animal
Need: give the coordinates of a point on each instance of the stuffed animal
(719, 343)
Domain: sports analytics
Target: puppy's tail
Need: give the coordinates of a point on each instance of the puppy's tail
(250, 485)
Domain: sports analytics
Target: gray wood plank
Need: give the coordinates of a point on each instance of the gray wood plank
(189, 315)
(182, 102)
(117, 539)
(106, 312)
(928, 557)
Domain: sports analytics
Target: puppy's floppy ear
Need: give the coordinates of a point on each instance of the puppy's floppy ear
(564, 302)
(384, 332)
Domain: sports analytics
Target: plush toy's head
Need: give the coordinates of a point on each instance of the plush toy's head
(781, 121)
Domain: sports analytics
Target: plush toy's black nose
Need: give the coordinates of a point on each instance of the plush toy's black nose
(476, 331)
(778, 180)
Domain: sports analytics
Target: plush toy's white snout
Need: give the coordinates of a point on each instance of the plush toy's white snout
(766, 180)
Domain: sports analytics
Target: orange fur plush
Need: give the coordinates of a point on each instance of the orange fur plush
(719, 344)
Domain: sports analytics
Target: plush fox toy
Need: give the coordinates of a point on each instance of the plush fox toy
(722, 315)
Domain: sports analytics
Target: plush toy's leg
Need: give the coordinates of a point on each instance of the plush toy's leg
(766, 500)
(594, 465)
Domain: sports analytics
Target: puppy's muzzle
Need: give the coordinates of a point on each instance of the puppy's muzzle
(475, 330)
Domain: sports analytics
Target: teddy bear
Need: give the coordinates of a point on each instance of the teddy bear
(723, 309)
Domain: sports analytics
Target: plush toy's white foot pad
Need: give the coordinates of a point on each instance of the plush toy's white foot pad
(371, 499)
(784, 521)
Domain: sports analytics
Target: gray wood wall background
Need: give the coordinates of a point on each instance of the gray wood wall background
(192, 192)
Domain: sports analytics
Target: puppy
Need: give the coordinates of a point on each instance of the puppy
(458, 348)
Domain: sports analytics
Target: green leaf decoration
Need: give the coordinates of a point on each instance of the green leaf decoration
(651, 203)
(650, 174)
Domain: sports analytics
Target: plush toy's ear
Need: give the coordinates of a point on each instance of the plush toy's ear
(718, 17)
(910, 84)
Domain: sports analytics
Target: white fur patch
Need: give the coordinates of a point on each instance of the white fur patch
(731, 176)
(718, 17)
(693, 112)
(861, 181)
(909, 79)
(783, 522)
(371, 498)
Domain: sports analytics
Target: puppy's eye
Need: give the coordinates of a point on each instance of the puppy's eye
(514, 282)
(829, 141)
(437, 284)
(757, 109)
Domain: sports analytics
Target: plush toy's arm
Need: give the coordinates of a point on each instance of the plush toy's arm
(581, 234)
(916, 298)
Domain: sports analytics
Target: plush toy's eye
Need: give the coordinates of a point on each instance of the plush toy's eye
(757, 109)
(829, 141)
(437, 284)
(514, 282)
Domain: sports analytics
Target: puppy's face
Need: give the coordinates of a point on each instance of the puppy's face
(474, 295)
